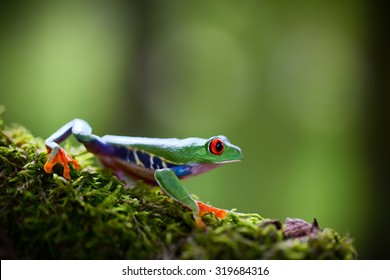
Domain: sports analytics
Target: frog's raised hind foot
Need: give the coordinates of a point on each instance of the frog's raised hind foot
(58, 155)
(81, 130)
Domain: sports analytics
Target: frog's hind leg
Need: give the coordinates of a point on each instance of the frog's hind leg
(81, 130)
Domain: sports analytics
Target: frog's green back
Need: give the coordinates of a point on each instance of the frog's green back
(179, 151)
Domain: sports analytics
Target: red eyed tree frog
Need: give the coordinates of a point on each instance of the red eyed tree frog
(155, 160)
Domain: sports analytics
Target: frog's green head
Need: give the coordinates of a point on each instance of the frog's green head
(218, 150)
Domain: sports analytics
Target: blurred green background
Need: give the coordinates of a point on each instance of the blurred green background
(288, 82)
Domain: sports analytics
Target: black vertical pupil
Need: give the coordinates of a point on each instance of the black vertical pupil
(218, 146)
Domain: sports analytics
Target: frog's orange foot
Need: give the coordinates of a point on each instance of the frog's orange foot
(204, 208)
(60, 156)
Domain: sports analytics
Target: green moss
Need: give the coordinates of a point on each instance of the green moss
(95, 216)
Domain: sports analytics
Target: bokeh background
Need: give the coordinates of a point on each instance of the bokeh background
(301, 87)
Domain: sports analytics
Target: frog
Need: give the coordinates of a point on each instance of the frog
(157, 161)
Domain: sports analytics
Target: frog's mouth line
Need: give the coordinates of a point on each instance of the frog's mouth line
(227, 161)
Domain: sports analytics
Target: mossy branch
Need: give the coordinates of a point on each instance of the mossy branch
(95, 216)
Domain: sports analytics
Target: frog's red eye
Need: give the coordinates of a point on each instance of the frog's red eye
(216, 146)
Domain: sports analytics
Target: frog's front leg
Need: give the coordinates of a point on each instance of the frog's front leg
(81, 130)
(172, 186)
